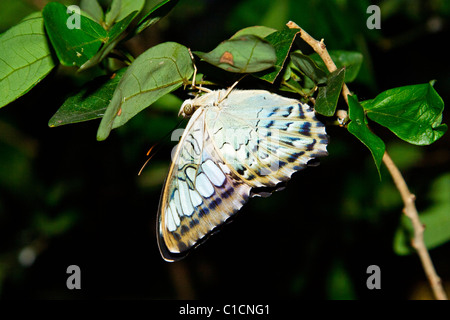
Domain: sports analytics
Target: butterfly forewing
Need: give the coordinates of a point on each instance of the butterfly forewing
(251, 138)
(200, 192)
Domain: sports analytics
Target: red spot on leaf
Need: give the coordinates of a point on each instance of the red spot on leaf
(227, 57)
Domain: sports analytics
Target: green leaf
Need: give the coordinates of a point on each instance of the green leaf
(436, 220)
(156, 72)
(72, 46)
(12, 12)
(339, 283)
(115, 35)
(405, 155)
(93, 8)
(87, 46)
(245, 54)
(328, 95)
(351, 60)
(413, 113)
(308, 67)
(121, 9)
(155, 14)
(358, 127)
(259, 31)
(55, 226)
(25, 58)
(113, 12)
(291, 85)
(129, 6)
(282, 42)
(89, 103)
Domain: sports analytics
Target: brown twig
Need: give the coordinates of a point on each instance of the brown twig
(321, 49)
(407, 197)
(417, 242)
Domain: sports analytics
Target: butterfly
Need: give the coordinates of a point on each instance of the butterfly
(235, 142)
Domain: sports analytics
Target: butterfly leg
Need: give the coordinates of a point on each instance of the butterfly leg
(229, 90)
(193, 85)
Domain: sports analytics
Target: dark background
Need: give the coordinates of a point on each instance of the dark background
(67, 199)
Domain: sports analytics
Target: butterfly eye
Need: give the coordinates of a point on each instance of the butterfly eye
(188, 109)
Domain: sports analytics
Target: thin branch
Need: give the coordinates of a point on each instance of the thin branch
(321, 49)
(407, 197)
(417, 242)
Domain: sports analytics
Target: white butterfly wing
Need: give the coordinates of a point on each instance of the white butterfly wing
(200, 192)
(265, 137)
(253, 138)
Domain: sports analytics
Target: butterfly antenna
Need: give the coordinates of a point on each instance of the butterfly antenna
(155, 151)
(142, 168)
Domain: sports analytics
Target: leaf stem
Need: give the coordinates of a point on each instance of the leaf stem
(407, 197)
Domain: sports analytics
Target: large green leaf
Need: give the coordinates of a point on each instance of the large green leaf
(89, 44)
(72, 46)
(25, 58)
(89, 103)
(244, 54)
(358, 127)
(115, 35)
(413, 113)
(153, 74)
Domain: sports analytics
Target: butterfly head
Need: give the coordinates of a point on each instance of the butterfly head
(187, 108)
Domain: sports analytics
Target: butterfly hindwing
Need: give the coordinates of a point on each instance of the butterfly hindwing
(267, 137)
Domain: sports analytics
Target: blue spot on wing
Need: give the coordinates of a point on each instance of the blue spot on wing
(215, 203)
(306, 129)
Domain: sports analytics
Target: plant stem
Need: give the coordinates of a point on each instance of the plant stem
(321, 49)
(417, 242)
(407, 197)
